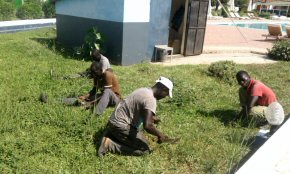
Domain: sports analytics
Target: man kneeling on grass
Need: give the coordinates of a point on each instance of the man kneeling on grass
(122, 134)
(255, 97)
(107, 83)
(97, 57)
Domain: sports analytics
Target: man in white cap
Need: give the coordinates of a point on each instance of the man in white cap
(122, 134)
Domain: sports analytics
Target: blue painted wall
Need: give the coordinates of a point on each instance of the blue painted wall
(159, 24)
(107, 10)
(131, 27)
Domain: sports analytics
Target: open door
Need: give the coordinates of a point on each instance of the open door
(195, 27)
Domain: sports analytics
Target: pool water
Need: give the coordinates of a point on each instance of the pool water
(260, 26)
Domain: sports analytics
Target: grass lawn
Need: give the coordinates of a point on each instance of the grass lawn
(53, 138)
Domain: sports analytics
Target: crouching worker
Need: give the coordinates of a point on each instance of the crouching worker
(106, 82)
(255, 97)
(122, 134)
(98, 57)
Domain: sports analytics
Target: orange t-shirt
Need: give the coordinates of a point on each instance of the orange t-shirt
(108, 78)
(265, 94)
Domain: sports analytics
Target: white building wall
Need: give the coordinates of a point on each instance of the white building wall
(107, 10)
(136, 11)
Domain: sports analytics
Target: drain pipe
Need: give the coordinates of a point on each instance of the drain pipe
(233, 21)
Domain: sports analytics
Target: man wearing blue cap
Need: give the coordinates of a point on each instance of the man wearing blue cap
(122, 134)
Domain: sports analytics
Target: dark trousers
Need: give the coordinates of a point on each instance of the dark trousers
(105, 99)
(127, 140)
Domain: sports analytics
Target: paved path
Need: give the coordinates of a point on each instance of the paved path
(241, 45)
(239, 58)
(231, 36)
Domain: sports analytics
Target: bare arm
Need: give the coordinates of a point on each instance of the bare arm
(92, 93)
(149, 125)
(252, 102)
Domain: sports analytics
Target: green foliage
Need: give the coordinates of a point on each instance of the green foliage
(243, 13)
(214, 2)
(265, 15)
(29, 11)
(242, 4)
(224, 13)
(224, 1)
(7, 10)
(48, 9)
(37, 2)
(93, 40)
(224, 70)
(280, 51)
(52, 138)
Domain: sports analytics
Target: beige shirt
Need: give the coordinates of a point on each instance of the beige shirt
(129, 111)
(104, 63)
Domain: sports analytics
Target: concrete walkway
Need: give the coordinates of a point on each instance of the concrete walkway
(241, 45)
(239, 58)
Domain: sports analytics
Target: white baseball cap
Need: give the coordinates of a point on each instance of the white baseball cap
(166, 82)
(275, 113)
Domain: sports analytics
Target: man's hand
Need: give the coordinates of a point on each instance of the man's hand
(83, 97)
(166, 139)
(156, 119)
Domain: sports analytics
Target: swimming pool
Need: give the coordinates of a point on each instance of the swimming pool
(259, 26)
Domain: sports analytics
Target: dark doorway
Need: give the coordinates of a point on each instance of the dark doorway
(176, 29)
(195, 27)
(187, 26)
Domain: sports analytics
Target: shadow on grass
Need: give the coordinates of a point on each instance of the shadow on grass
(254, 143)
(227, 116)
(66, 52)
(97, 138)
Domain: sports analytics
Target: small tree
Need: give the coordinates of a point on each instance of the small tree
(280, 51)
(29, 11)
(48, 9)
(242, 4)
(93, 40)
(7, 10)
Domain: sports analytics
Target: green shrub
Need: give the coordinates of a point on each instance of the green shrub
(265, 15)
(242, 4)
(7, 10)
(48, 9)
(37, 2)
(224, 70)
(280, 51)
(224, 13)
(29, 11)
(214, 12)
(93, 40)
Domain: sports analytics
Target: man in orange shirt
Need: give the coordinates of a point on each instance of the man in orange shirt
(254, 96)
(106, 82)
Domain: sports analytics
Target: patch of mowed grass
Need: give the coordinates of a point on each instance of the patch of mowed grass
(53, 138)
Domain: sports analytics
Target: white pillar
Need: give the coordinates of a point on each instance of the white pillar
(231, 5)
(209, 9)
(250, 6)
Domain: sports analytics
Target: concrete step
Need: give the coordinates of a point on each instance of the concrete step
(231, 49)
(239, 58)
